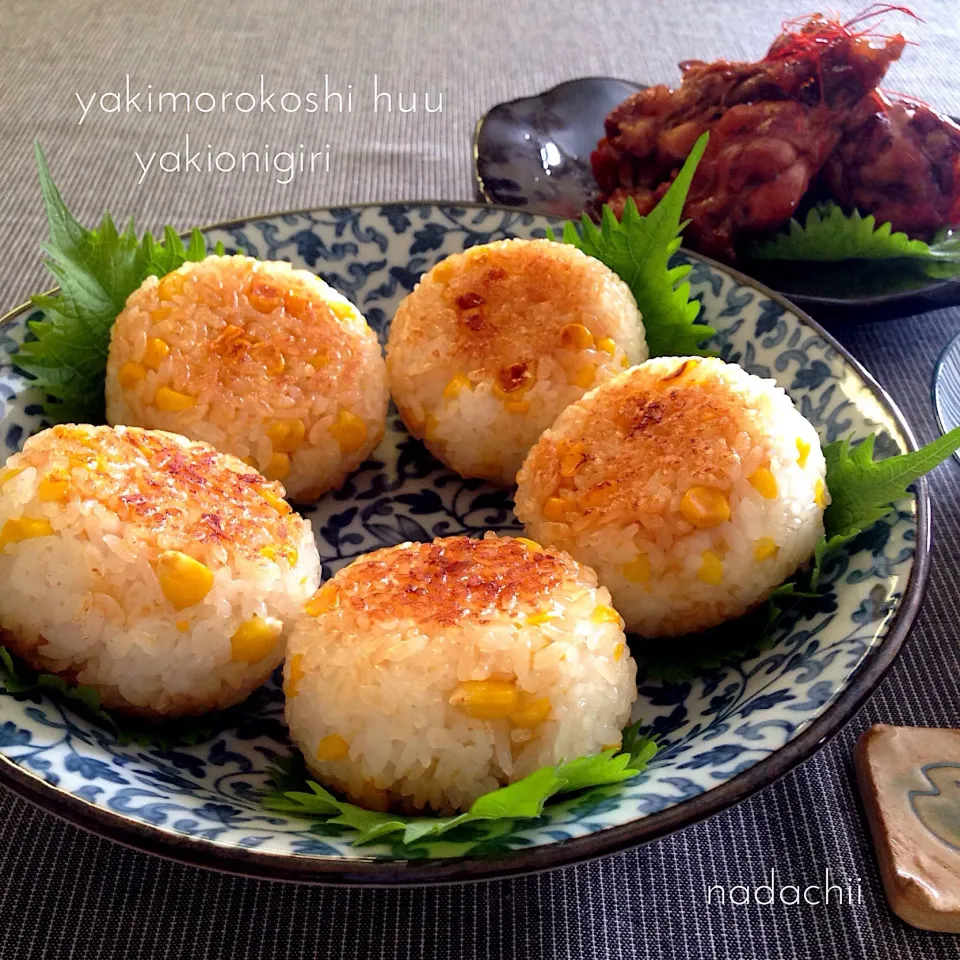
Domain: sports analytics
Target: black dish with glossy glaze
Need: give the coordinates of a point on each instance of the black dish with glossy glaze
(534, 152)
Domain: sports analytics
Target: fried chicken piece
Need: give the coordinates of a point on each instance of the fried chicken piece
(772, 125)
(902, 164)
(759, 164)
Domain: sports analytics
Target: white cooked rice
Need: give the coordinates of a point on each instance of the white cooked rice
(606, 483)
(82, 598)
(253, 345)
(401, 629)
(477, 359)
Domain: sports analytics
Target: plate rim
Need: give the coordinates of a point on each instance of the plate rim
(935, 381)
(375, 872)
(479, 125)
(936, 286)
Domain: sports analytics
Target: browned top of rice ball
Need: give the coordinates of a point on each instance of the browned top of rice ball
(451, 579)
(162, 487)
(505, 302)
(243, 324)
(648, 423)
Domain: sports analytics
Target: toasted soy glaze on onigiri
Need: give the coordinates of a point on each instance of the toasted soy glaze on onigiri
(493, 343)
(158, 571)
(692, 487)
(262, 361)
(426, 674)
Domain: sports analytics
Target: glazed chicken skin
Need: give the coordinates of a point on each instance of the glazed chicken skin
(902, 164)
(772, 126)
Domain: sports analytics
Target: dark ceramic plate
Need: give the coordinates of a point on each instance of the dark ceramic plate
(534, 152)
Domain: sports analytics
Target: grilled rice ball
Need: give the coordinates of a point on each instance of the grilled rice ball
(263, 361)
(427, 674)
(158, 571)
(692, 487)
(493, 343)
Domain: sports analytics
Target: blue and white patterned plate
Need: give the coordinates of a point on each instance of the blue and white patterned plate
(725, 733)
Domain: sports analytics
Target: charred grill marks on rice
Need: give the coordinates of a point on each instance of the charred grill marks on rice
(147, 480)
(447, 580)
(691, 487)
(149, 567)
(261, 360)
(493, 343)
(425, 674)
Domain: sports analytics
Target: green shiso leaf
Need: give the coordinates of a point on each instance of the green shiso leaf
(294, 794)
(96, 271)
(15, 679)
(601, 769)
(830, 234)
(945, 251)
(639, 746)
(638, 249)
(864, 490)
(826, 547)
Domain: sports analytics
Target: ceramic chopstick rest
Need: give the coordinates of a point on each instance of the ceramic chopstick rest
(910, 783)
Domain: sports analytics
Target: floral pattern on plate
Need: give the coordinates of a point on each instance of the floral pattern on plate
(713, 728)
